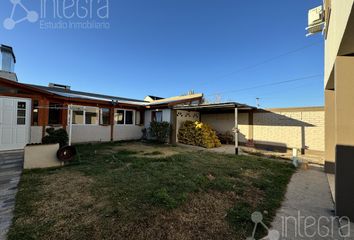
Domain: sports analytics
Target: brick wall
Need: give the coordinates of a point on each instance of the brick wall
(290, 128)
(286, 127)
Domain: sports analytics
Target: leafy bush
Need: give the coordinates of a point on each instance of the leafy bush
(56, 136)
(160, 131)
(198, 134)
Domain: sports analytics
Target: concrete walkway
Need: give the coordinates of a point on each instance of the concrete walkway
(308, 210)
(11, 164)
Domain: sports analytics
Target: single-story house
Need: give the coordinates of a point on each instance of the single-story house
(27, 110)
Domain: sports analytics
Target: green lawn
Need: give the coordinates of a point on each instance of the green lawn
(140, 191)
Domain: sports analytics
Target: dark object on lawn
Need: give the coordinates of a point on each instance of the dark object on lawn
(56, 136)
(66, 154)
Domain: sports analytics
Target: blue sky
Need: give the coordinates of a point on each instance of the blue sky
(168, 47)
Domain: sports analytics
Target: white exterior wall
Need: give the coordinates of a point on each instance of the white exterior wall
(95, 133)
(147, 118)
(36, 134)
(127, 132)
(90, 133)
(225, 122)
(340, 12)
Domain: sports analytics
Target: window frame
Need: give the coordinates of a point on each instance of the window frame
(59, 108)
(24, 118)
(101, 117)
(35, 111)
(97, 116)
(141, 117)
(83, 109)
(153, 115)
(125, 117)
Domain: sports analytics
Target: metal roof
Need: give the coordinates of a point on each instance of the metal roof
(227, 106)
(177, 99)
(90, 96)
(67, 93)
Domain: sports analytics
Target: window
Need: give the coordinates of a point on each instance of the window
(35, 120)
(78, 117)
(125, 117)
(91, 115)
(119, 118)
(21, 113)
(105, 116)
(156, 116)
(85, 115)
(129, 117)
(55, 113)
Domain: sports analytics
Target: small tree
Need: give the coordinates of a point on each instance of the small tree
(56, 136)
(160, 130)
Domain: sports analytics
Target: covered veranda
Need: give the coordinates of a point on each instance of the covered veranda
(205, 113)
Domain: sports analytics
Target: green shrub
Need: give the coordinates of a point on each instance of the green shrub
(160, 131)
(56, 136)
(198, 134)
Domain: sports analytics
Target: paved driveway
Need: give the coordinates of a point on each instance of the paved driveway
(11, 164)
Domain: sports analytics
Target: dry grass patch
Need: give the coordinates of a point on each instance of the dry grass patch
(148, 150)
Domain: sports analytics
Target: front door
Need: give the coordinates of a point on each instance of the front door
(14, 123)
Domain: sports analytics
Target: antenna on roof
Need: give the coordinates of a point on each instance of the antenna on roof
(257, 102)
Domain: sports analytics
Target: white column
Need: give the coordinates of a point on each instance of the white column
(236, 131)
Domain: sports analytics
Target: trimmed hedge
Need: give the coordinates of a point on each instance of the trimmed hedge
(198, 134)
